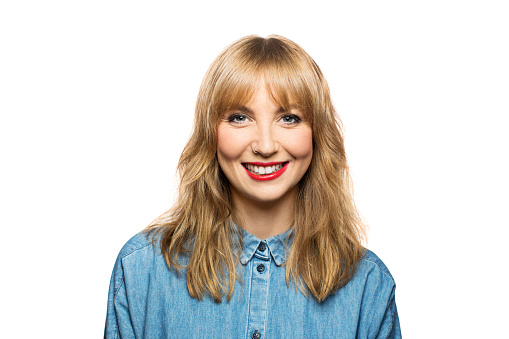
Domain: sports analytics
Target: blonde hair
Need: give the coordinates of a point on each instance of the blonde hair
(327, 232)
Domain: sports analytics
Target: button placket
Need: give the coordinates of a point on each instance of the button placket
(258, 298)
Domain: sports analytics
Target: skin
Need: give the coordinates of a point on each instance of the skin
(264, 208)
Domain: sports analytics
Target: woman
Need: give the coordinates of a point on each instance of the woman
(264, 240)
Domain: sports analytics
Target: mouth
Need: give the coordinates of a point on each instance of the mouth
(265, 171)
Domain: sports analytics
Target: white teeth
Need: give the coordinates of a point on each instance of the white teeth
(260, 170)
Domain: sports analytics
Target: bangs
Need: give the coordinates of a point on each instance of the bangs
(289, 75)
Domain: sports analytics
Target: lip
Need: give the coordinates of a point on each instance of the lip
(266, 177)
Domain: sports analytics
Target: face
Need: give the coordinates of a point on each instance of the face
(263, 150)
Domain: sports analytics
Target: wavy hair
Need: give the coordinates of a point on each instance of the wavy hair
(327, 231)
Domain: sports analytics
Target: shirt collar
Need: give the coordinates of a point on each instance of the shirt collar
(278, 246)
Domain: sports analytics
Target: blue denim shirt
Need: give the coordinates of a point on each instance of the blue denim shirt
(147, 300)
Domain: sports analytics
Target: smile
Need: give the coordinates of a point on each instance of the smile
(265, 171)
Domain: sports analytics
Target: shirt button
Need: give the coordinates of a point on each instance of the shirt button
(256, 335)
(260, 268)
(262, 247)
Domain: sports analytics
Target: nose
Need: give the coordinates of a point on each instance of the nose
(265, 143)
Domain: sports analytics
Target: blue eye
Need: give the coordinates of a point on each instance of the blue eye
(238, 118)
(290, 119)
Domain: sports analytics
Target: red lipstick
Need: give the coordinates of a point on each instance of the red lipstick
(265, 177)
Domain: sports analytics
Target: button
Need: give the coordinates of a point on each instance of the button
(260, 268)
(256, 335)
(262, 247)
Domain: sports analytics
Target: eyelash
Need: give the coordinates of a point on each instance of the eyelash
(232, 118)
(295, 118)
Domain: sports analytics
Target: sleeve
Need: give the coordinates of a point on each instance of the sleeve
(389, 328)
(118, 318)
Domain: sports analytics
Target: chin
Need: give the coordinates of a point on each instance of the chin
(270, 197)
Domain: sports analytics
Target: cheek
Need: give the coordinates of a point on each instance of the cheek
(300, 144)
(229, 143)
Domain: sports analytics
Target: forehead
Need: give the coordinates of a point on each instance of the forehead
(261, 92)
(263, 99)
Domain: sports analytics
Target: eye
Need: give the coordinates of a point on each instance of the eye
(290, 119)
(238, 118)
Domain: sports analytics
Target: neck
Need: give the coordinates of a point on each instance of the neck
(264, 219)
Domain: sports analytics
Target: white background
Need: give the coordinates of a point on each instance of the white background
(97, 99)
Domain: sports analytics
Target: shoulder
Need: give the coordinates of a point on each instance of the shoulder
(372, 294)
(134, 259)
(371, 274)
(373, 262)
(372, 285)
(141, 241)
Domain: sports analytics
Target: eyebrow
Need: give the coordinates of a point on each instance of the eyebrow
(244, 109)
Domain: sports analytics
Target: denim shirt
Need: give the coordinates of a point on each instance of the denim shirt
(147, 300)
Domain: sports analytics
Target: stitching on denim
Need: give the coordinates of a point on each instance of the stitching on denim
(392, 319)
(122, 258)
(136, 249)
(384, 270)
(267, 301)
(391, 313)
(118, 288)
(250, 263)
